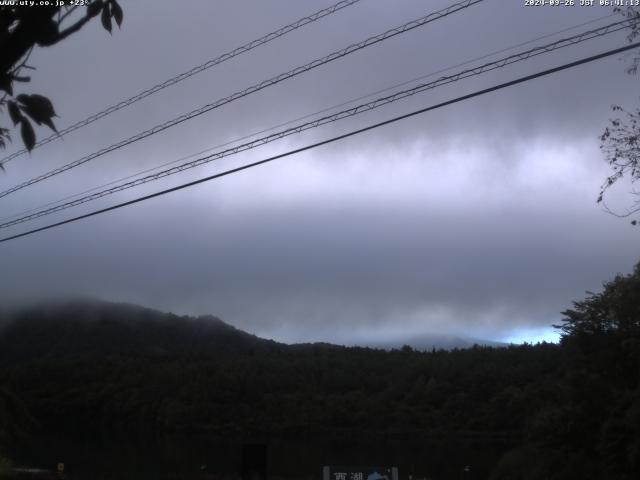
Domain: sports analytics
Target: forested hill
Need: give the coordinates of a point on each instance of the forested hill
(81, 328)
(567, 411)
(93, 328)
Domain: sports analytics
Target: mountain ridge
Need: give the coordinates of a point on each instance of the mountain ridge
(90, 327)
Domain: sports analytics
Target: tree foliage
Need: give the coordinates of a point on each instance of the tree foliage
(568, 411)
(620, 144)
(633, 15)
(613, 312)
(23, 28)
(620, 141)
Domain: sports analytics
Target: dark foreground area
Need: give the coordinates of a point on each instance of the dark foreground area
(133, 393)
(197, 457)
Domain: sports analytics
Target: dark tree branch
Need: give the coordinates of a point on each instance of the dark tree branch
(66, 32)
(69, 11)
(21, 29)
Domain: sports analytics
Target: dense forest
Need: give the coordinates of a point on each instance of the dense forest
(552, 411)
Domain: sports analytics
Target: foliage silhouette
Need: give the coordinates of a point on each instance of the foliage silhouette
(22, 28)
(568, 410)
(620, 141)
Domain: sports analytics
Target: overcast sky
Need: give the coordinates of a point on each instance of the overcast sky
(476, 219)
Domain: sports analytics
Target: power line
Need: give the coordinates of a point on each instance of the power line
(189, 73)
(350, 112)
(304, 117)
(331, 140)
(255, 88)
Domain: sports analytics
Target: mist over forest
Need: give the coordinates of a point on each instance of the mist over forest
(292, 240)
(567, 410)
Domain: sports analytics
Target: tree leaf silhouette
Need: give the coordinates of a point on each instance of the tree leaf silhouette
(5, 83)
(28, 135)
(39, 108)
(14, 112)
(116, 12)
(106, 18)
(94, 8)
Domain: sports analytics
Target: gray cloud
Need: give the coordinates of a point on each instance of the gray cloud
(475, 219)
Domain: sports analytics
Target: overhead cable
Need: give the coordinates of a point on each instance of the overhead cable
(189, 73)
(304, 117)
(350, 112)
(330, 140)
(248, 91)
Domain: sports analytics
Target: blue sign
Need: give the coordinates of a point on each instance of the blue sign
(359, 473)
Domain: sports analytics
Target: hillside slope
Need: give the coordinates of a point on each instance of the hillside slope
(94, 328)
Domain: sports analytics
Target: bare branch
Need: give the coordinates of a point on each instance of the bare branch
(69, 11)
(68, 31)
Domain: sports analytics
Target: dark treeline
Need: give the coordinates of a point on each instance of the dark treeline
(555, 411)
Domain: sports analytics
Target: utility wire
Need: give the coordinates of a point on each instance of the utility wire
(304, 117)
(189, 73)
(331, 140)
(503, 62)
(255, 88)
